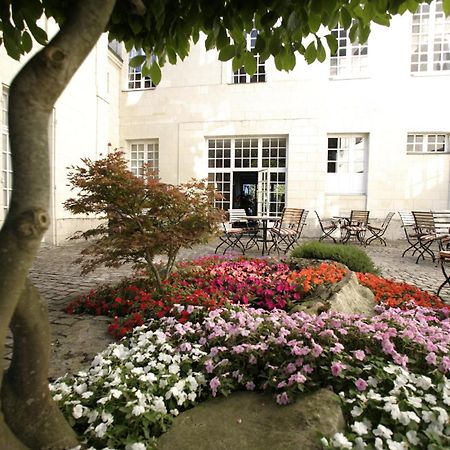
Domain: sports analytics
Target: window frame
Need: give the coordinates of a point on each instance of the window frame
(136, 164)
(135, 80)
(6, 163)
(413, 141)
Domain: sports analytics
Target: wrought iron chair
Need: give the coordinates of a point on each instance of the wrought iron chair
(444, 256)
(409, 228)
(378, 232)
(286, 232)
(328, 227)
(426, 233)
(356, 226)
(234, 230)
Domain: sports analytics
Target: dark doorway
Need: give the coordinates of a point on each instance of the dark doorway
(245, 191)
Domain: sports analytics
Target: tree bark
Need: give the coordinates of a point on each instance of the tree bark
(33, 94)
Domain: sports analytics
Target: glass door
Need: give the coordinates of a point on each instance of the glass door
(263, 192)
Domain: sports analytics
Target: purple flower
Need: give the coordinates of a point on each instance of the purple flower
(316, 350)
(359, 355)
(250, 386)
(431, 358)
(445, 365)
(283, 398)
(214, 385)
(361, 384)
(337, 367)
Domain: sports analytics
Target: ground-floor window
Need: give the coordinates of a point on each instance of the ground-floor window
(142, 153)
(249, 173)
(347, 164)
(427, 143)
(5, 165)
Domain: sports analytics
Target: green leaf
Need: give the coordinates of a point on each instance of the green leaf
(446, 7)
(289, 60)
(314, 22)
(249, 63)
(260, 44)
(321, 54)
(353, 31)
(332, 43)
(171, 55)
(227, 52)
(136, 61)
(38, 33)
(293, 23)
(155, 72)
(310, 53)
(363, 34)
(136, 24)
(27, 42)
(222, 38)
(346, 18)
(382, 20)
(237, 63)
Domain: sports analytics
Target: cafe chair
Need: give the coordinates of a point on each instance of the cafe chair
(444, 257)
(237, 232)
(356, 226)
(409, 228)
(286, 232)
(378, 232)
(328, 227)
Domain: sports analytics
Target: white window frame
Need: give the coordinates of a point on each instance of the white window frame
(142, 153)
(135, 80)
(223, 165)
(427, 143)
(5, 162)
(350, 59)
(350, 164)
(430, 39)
(260, 76)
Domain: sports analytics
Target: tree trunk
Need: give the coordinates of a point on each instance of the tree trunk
(33, 93)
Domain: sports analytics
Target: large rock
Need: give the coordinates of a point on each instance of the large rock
(253, 421)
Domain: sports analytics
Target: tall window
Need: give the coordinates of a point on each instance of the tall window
(135, 78)
(430, 39)
(116, 47)
(346, 164)
(240, 76)
(5, 166)
(350, 59)
(264, 157)
(142, 153)
(427, 143)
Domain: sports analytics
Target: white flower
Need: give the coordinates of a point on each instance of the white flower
(57, 397)
(356, 411)
(138, 410)
(77, 411)
(120, 352)
(87, 394)
(159, 405)
(79, 389)
(424, 382)
(115, 393)
(174, 412)
(324, 441)
(360, 428)
(415, 401)
(340, 441)
(136, 446)
(443, 415)
(382, 431)
(378, 444)
(100, 430)
(107, 417)
(411, 435)
(394, 445)
(431, 399)
(359, 443)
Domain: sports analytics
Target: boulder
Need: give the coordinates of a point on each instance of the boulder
(254, 421)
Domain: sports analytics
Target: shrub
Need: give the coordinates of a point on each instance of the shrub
(354, 258)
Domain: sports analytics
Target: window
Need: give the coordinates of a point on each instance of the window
(350, 59)
(142, 153)
(135, 78)
(116, 47)
(5, 165)
(427, 143)
(260, 75)
(346, 164)
(261, 159)
(430, 39)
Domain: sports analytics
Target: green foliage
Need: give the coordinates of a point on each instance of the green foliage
(166, 28)
(142, 216)
(353, 257)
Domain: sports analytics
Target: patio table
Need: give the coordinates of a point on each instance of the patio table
(264, 226)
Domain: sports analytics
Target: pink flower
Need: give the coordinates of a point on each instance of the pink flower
(431, 358)
(361, 384)
(250, 386)
(316, 350)
(445, 365)
(214, 385)
(283, 398)
(359, 355)
(337, 367)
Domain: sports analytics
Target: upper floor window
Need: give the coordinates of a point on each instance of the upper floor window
(346, 164)
(144, 153)
(5, 161)
(135, 78)
(116, 47)
(427, 143)
(240, 76)
(430, 39)
(350, 58)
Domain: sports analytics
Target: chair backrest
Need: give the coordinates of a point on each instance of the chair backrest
(407, 218)
(358, 217)
(424, 222)
(442, 221)
(291, 218)
(387, 220)
(236, 215)
(303, 220)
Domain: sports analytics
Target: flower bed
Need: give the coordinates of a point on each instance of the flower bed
(391, 372)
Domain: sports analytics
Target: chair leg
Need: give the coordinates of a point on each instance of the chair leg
(447, 279)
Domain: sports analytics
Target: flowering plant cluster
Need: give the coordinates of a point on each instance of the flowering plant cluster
(208, 282)
(390, 370)
(398, 294)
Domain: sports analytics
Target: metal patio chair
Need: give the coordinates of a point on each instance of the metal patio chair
(235, 230)
(356, 226)
(444, 257)
(378, 232)
(328, 227)
(286, 232)
(409, 228)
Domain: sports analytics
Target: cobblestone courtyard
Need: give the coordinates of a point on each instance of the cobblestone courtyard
(76, 339)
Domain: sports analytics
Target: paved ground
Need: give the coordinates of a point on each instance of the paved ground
(76, 339)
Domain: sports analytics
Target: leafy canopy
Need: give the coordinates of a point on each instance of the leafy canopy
(165, 29)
